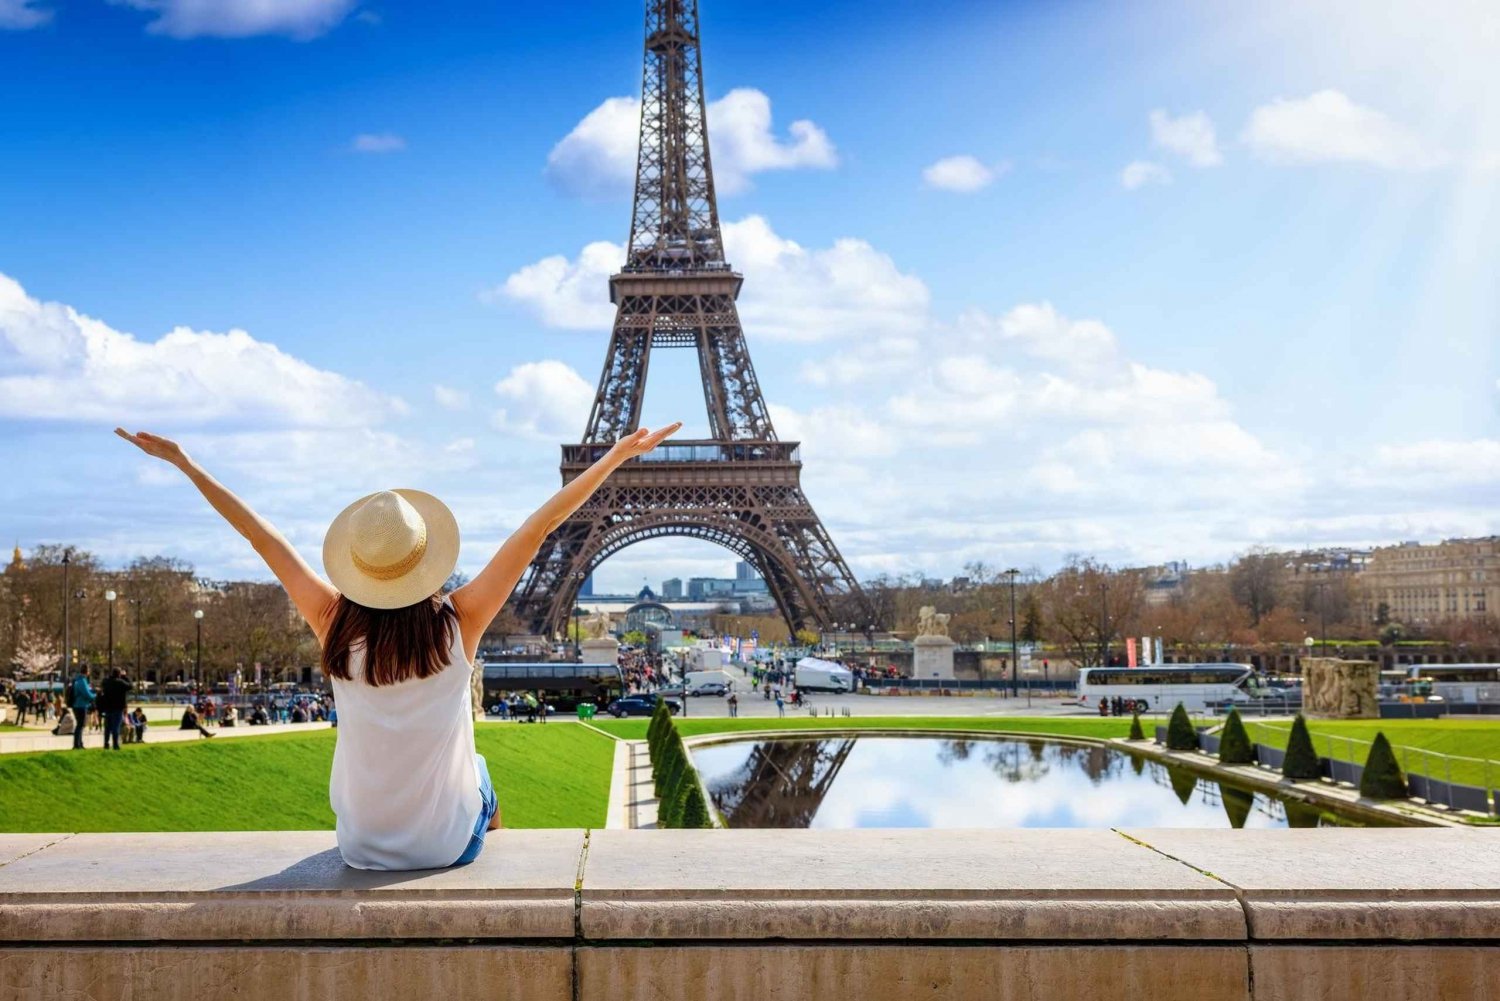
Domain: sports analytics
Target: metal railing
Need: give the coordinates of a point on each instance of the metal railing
(1446, 775)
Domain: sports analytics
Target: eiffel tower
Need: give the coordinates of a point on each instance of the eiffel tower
(740, 487)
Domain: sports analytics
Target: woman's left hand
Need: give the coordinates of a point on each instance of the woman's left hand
(155, 445)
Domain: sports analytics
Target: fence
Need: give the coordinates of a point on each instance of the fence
(1430, 775)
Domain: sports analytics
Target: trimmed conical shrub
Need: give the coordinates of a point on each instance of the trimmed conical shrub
(668, 802)
(1301, 763)
(1234, 743)
(1237, 803)
(672, 766)
(1184, 783)
(1180, 733)
(694, 808)
(1382, 778)
(1136, 733)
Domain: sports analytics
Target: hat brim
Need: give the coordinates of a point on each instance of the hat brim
(417, 584)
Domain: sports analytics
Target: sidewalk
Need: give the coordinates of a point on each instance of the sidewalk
(159, 733)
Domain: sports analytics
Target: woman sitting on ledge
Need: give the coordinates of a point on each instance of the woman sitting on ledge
(407, 788)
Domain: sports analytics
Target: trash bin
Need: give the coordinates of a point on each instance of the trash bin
(586, 710)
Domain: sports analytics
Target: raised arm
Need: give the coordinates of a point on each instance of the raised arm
(314, 597)
(480, 600)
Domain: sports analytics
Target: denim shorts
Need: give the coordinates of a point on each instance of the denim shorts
(488, 804)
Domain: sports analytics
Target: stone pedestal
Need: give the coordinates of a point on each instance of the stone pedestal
(932, 657)
(604, 650)
(1340, 689)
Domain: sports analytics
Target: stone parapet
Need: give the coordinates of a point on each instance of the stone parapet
(877, 914)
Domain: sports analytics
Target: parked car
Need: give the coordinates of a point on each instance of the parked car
(709, 688)
(643, 704)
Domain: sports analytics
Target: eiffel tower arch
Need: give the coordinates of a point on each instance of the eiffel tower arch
(741, 486)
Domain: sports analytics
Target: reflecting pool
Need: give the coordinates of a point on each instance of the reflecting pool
(845, 782)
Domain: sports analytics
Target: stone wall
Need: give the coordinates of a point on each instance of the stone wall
(884, 915)
(1340, 689)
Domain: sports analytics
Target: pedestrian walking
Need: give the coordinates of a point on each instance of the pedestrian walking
(23, 703)
(780, 705)
(734, 705)
(113, 695)
(80, 699)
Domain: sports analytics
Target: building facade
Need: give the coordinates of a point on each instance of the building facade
(1454, 579)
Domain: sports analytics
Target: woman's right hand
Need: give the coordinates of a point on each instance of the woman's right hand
(642, 441)
(155, 445)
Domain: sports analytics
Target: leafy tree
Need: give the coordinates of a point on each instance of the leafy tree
(1301, 763)
(1255, 580)
(1136, 733)
(1235, 747)
(1382, 613)
(1392, 633)
(1180, 733)
(1382, 777)
(634, 638)
(1031, 618)
(806, 637)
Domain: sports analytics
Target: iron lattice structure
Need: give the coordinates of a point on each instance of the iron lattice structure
(741, 487)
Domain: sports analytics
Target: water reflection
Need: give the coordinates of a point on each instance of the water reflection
(934, 782)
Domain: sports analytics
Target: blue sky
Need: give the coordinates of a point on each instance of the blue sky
(1149, 280)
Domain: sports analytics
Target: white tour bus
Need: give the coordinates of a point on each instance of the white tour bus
(1159, 687)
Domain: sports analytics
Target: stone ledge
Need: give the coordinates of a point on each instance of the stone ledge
(877, 884)
(746, 888)
(1412, 884)
(271, 886)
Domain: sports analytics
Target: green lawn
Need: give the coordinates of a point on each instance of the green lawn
(1466, 737)
(12, 728)
(546, 776)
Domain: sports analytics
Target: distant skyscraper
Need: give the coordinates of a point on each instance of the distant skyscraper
(671, 589)
(744, 571)
(587, 590)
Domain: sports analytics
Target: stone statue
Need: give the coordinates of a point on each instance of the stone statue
(1340, 689)
(931, 622)
(597, 625)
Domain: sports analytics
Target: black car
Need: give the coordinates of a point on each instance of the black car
(640, 705)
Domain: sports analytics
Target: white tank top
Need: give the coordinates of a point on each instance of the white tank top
(405, 785)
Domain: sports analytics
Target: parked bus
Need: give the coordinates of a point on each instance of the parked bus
(1451, 682)
(1160, 687)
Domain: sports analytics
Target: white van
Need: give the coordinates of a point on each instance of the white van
(816, 675)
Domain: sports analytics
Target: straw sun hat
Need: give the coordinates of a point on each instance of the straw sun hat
(391, 549)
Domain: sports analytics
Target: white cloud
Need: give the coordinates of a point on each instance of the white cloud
(1328, 127)
(571, 295)
(449, 398)
(377, 142)
(58, 364)
(791, 293)
(1138, 173)
(543, 399)
(299, 19)
(19, 15)
(962, 173)
(598, 157)
(1190, 136)
(1453, 463)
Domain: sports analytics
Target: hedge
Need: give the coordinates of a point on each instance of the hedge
(1180, 733)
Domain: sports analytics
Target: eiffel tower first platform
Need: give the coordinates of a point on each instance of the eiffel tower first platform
(741, 487)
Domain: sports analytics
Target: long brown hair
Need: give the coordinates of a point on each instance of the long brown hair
(399, 643)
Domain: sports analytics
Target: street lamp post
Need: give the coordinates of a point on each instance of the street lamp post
(67, 650)
(577, 633)
(1323, 617)
(139, 676)
(109, 597)
(198, 657)
(1103, 623)
(1014, 663)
